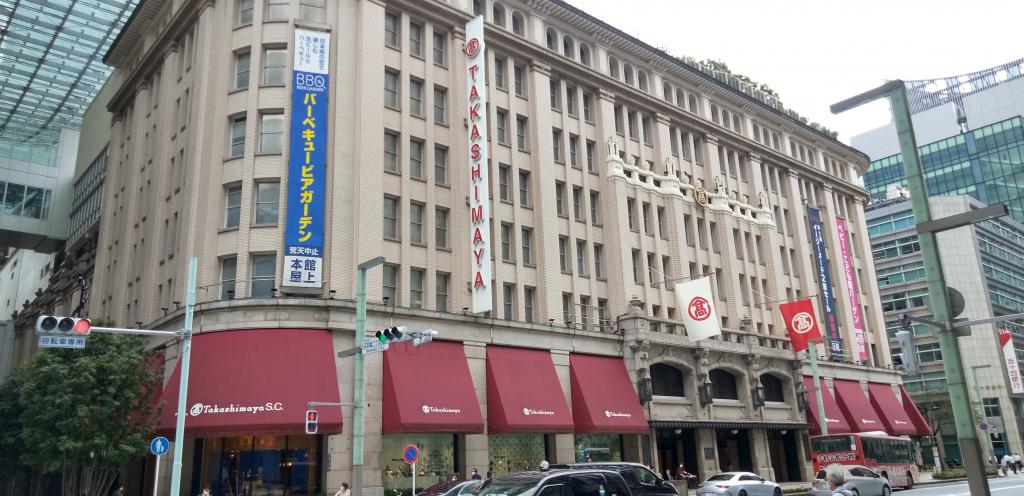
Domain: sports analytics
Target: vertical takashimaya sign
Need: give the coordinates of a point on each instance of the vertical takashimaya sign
(851, 286)
(307, 161)
(828, 300)
(479, 189)
(1010, 357)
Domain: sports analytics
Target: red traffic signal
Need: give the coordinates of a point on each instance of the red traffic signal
(50, 324)
(82, 327)
(311, 421)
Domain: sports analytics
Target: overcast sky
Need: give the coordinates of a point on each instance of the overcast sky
(817, 52)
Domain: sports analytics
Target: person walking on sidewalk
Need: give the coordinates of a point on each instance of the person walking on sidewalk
(1016, 462)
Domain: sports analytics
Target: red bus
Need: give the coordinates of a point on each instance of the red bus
(892, 457)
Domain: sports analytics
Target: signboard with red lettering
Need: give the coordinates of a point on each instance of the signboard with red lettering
(479, 190)
(694, 299)
(1010, 358)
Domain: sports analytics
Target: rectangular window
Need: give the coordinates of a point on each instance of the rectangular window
(504, 177)
(391, 212)
(581, 257)
(500, 66)
(228, 271)
(652, 272)
(262, 275)
(570, 100)
(416, 97)
(631, 213)
(501, 126)
(688, 229)
(508, 298)
(631, 120)
(646, 127)
(441, 227)
(599, 261)
(391, 30)
(645, 209)
(563, 255)
(313, 10)
(556, 145)
(243, 14)
(666, 264)
(585, 312)
(591, 165)
(416, 158)
(524, 188)
(578, 208)
(275, 61)
(237, 141)
(233, 205)
(556, 95)
(574, 146)
(390, 284)
(567, 309)
(271, 133)
(441, 49)
(588, 106)
(661, 223)
(416, 277)
(526, 238)
(416, 223)
(638, 277)
(560, 199)
(440, 165)
(604, 315)
(595, 208)
(416, 39)
(506, 242)
(390, 151)
(521, 135)
(441, 296)
(277, 10)
(714, 237)
(242, 60)
(529, 295)
(440, 105)
(267, 196)
(519, 74)
(391, 89)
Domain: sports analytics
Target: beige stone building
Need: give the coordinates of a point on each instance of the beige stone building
(598, 143)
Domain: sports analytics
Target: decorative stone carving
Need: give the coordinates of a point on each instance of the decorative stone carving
(670, 167)
(613, 147)
(720, 187)
(701, 355)
(762, 201)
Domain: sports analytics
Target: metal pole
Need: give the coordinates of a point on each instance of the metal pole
(413, 477)
(812, 351)
(186, 353)
(156, 475)
(981, 407)
(359, 409)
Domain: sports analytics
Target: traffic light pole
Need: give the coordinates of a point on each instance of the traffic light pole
(970, 446)
(186, 354)
(359, 409)
(812, 352)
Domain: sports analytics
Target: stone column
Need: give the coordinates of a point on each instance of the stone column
(476, 450)
(565, 444)
(549, 287)
(760, 455)
(707, 453)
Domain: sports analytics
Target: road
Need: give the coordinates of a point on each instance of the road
(1002, 486)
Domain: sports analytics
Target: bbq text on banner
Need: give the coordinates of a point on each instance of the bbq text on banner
(828, 300)
(479, 189)
(694, 298)
(800, 322)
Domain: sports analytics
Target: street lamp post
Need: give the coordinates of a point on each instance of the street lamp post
(359, 407)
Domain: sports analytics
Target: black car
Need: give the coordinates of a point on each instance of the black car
(556, 483)
(640, 479)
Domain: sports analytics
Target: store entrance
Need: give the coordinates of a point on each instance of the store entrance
(782, 450)
(260, 466)
(734, 450)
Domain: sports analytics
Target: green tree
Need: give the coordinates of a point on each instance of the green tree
(938, 411)
(85, 414)
(13, 477)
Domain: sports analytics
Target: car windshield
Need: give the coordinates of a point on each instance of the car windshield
(504, 489)
(720, 477)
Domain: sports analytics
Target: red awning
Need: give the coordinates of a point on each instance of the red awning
(920, 423)
(889, 410)
(255, 381)
(854, 405)
(603, 398)
(523, 392)
(429, 389)
(833, 417)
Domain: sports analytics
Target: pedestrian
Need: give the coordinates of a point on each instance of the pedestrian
(1006, 463)
(1016, 461)
(836, 478)
(119, 491)
(206, 491)
(475, 476)
(343, 490)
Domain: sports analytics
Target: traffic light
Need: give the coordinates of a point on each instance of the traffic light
(393, 335)
(311, 419)
(70, 326)
(424, 337)
(905, 337)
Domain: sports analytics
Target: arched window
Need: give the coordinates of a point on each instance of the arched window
(757, 132)
(725, 118)
(667, 380)
(552, 40)
(584, 54)
(627, 71)
(478, 7)
(518, 23)
(691, 103)
(723, 385)
(680, 99)
(714, 113)
(641, 79)
(773, 388)
(737, 124)
(613, 67)
(568, 46)
(666, 92)
(498, 15)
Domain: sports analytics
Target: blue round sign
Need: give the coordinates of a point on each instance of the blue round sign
(411, 454)
(159, 445)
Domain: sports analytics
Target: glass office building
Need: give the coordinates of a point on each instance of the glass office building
(987, 164)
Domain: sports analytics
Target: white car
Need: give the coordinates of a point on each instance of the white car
(738, 484)
(861, 481)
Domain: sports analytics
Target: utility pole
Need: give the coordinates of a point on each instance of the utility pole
(812, 352)
(970, 446)
(359, 409)
(186, 354)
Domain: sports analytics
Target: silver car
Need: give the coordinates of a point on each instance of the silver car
(738, 484)
(861, 481)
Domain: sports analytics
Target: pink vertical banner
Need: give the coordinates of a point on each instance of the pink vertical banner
(851, 286)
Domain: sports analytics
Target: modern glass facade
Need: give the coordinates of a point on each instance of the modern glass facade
(987, 164)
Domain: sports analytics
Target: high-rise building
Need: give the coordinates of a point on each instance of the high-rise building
(984, 263)
(283, 142)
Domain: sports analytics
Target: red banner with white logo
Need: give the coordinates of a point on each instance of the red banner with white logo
(800, 322)
(1010, 357)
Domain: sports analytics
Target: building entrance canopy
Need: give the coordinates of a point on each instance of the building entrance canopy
(603, 398)
(523, 392)
(429, 389)
(255, 381)
(833, 416)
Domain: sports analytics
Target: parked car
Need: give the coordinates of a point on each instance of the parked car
(556, 483)
(640, 479)
(861, 480)
(738, 484)
(440, 488)
(463, 488)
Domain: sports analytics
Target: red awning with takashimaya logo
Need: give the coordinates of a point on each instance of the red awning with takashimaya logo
(523, 392)
(429, 389)
(603, 398)
(856, 407)
(834, 418)
(890, 412)
(255, 381)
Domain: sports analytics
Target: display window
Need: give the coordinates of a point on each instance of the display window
(515, 452)
(598, 448)
(263, 465)
(436, 463)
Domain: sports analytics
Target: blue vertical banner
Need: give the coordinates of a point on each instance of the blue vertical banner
(307, 161)
(828, 300)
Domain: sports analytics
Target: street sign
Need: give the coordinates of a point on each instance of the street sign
(411, 454)
(54, 341)
(373, 346)
(159, 445)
